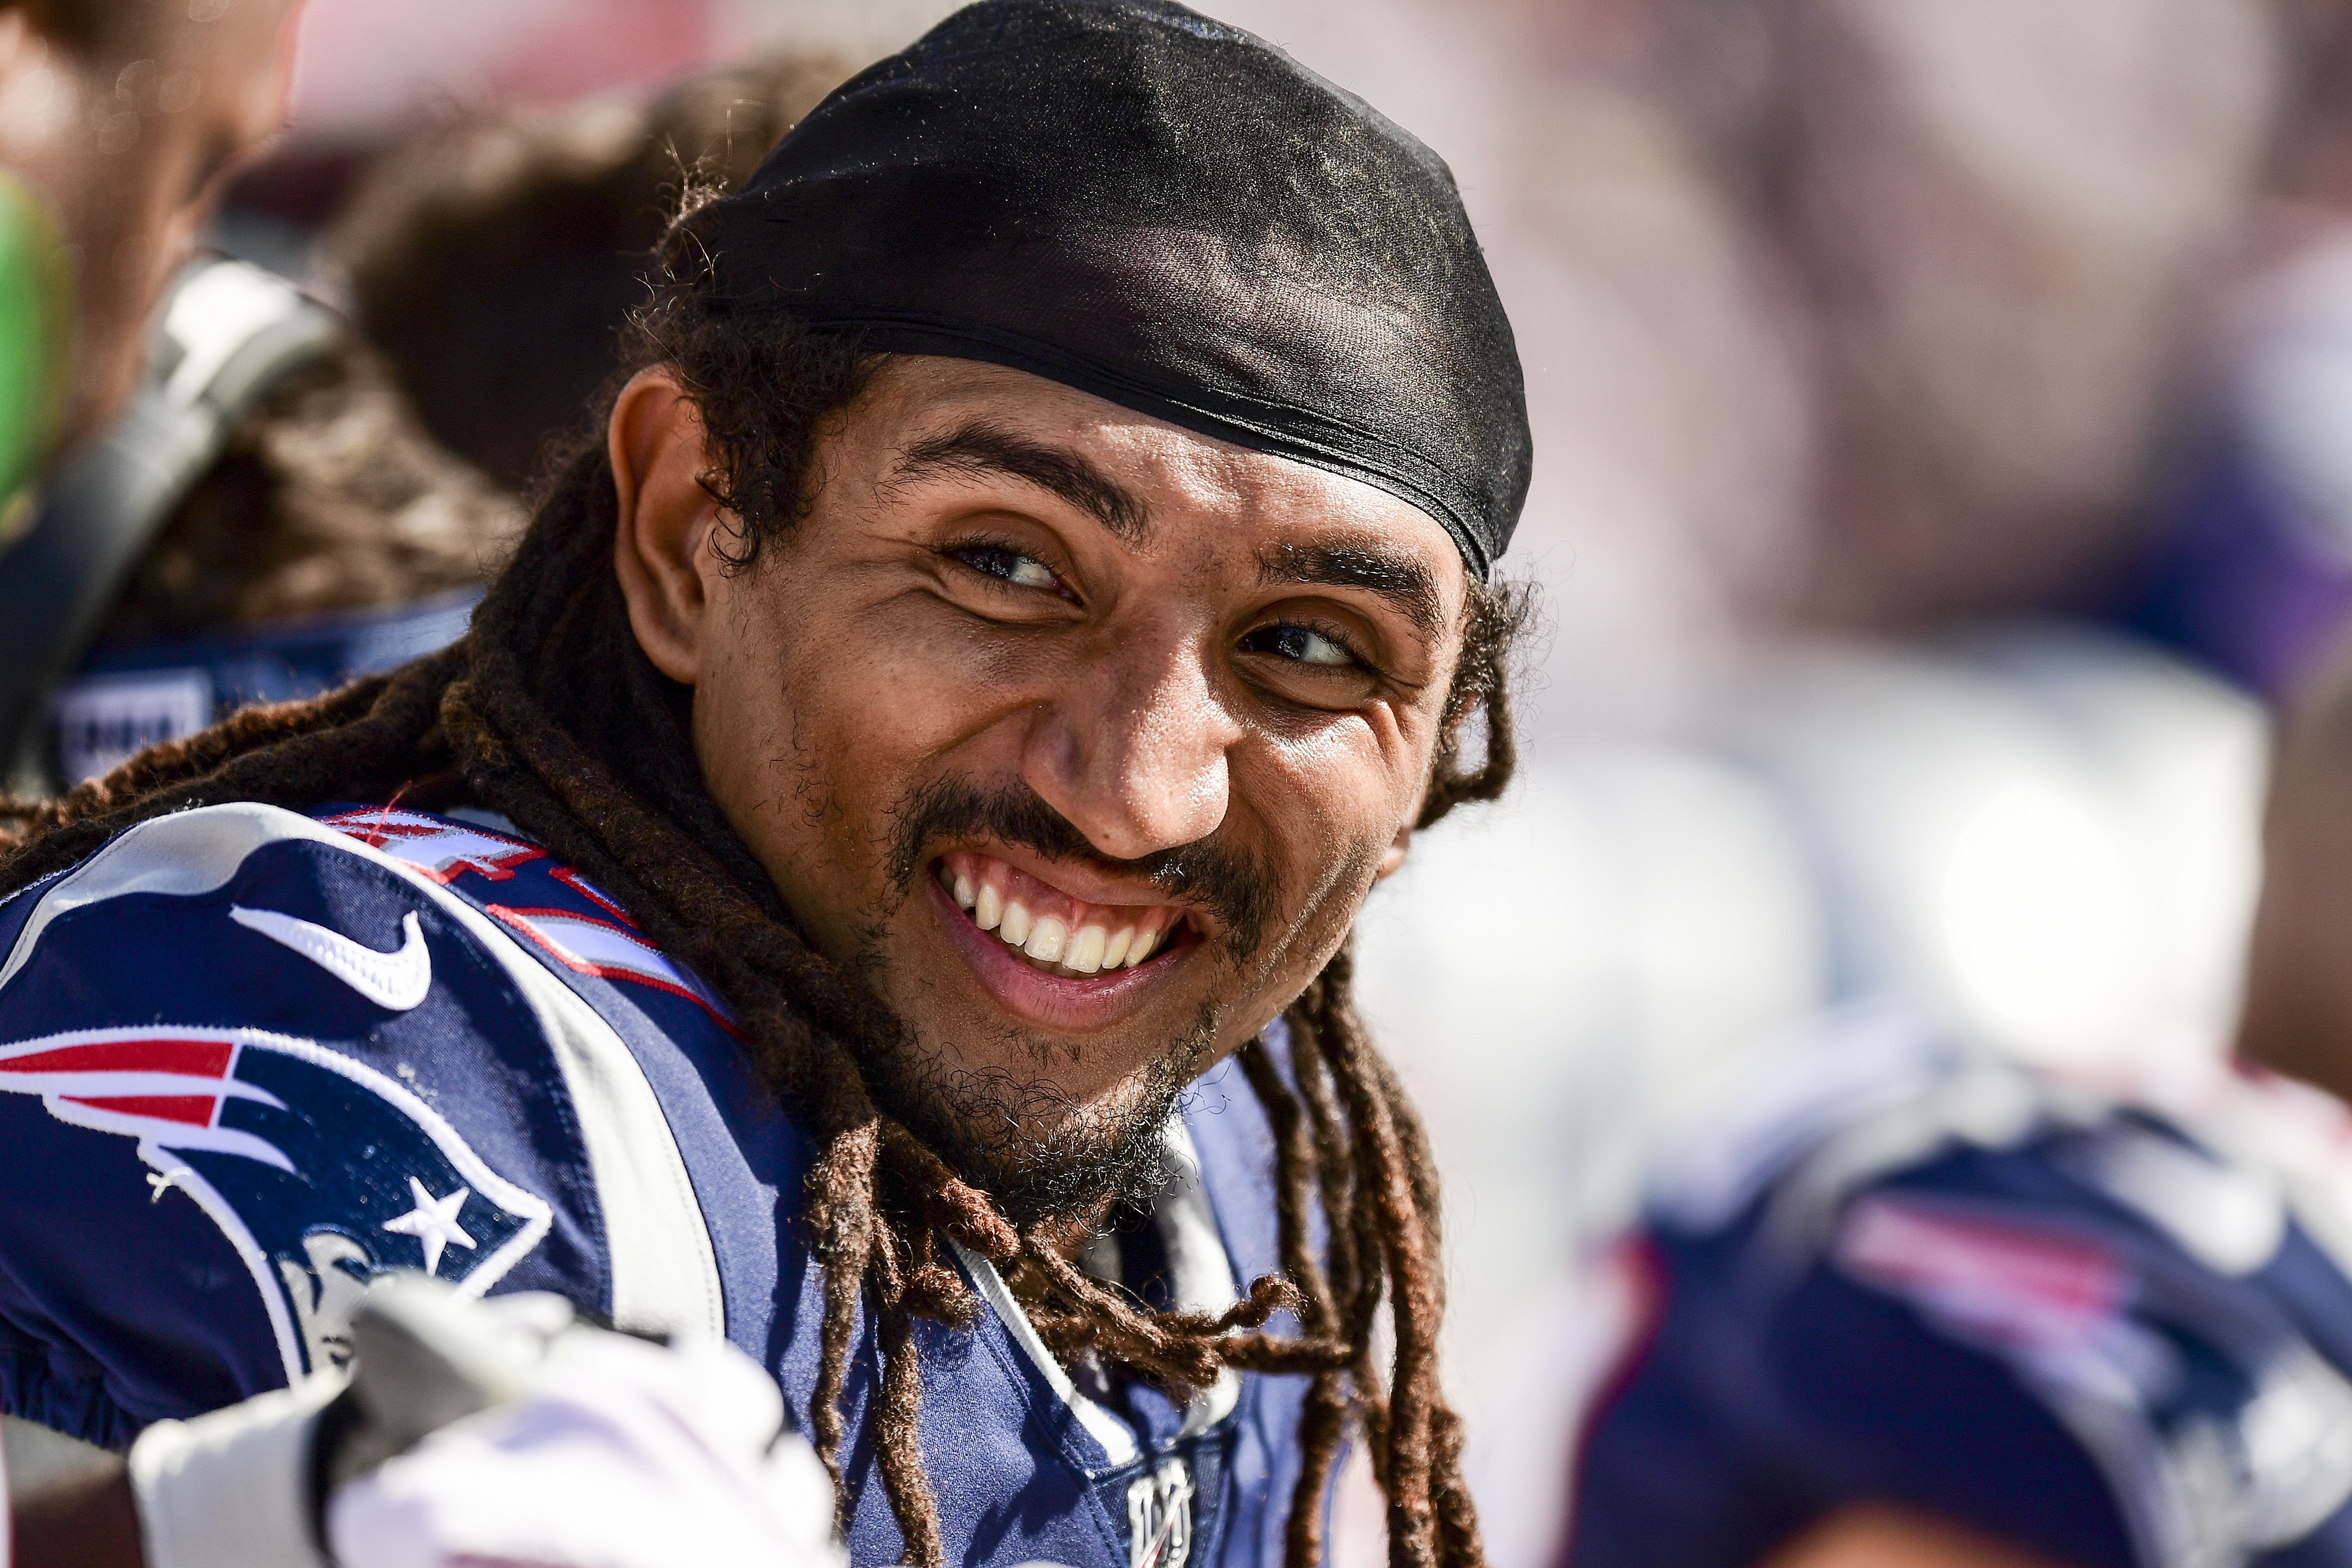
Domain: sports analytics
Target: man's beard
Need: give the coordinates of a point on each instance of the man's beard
(1029, 1144)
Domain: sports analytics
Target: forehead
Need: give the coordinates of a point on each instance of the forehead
(1197, 493)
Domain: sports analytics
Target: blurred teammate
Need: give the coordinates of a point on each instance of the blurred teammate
(1918, 1307)
(522, 243)
(1032, 583)
(329, 539)
(276, 525)
(325, 500)
(117, 119)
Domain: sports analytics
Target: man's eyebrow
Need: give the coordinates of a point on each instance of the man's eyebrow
(979, 448)
(1398, 578)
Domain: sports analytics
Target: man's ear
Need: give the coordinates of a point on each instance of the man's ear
(662, 547)
(1392, 857)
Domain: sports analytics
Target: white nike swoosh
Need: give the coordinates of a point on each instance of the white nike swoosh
(398, 981)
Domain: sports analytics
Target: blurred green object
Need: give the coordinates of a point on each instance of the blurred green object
(35, 321)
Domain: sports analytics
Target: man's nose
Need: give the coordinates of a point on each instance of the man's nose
(1134, 755)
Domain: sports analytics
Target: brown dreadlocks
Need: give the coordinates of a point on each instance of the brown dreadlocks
(550, 713)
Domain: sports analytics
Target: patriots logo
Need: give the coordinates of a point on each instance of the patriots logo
(321, 1170)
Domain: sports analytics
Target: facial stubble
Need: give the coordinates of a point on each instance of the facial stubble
(1041, 1152)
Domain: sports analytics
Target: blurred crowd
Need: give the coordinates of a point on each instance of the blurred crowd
(1943, 500)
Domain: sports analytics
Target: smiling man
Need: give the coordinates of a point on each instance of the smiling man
(875, 883)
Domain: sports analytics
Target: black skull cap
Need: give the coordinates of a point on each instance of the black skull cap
(1131, 199)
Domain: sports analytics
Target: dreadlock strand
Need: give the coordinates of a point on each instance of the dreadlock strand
(841, 1213)
(1499, 615)
(1322, 1429)
(1458, 1537)
(1413, 1137)
(1294, 1166)
(1354, 1238)
(1323, 1423)
(1416, 1297)
(1358, 1280)
(913, 1502)
(1331, 1035)
(1172, 1349)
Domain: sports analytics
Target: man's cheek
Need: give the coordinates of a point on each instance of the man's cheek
(890, 723)
(1331, 887)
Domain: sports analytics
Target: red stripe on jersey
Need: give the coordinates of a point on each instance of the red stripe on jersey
(200, 1059)
(587, 890)
(1978, 1261)
(191, 1109)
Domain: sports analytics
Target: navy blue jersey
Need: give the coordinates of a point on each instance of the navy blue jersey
(1946, 1284)
(127, 697)
(249, 1059)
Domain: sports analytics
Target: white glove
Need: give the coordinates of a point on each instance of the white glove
(233, 1486)
(496, 1431)
(618, 1454)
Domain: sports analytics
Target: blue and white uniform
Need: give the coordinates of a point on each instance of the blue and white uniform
(249, 1058)
(2062, 1319)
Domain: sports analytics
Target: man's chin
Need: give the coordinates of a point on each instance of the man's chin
(1042, 1155)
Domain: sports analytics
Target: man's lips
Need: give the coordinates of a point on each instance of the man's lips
(1053, 994)
(1057, 929)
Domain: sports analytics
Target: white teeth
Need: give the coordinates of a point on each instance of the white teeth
(1046, 941)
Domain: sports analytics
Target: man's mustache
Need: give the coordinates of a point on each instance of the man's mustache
(1239, 890)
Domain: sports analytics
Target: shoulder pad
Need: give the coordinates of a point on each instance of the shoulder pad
(239, 1043)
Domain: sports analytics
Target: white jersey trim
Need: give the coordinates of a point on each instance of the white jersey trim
(1201, 1278)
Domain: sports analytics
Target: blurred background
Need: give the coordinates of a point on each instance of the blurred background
(1940, 485)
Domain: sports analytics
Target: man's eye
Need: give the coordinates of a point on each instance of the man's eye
(1011, 565)
(1302, 645)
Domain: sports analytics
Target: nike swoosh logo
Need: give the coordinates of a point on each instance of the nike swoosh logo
(398, 981)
